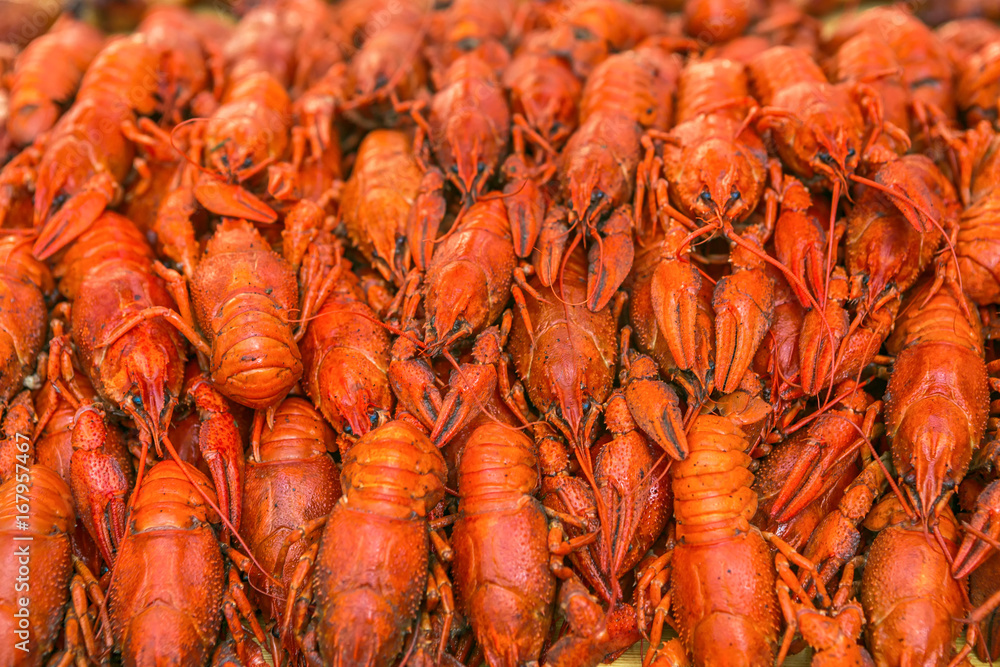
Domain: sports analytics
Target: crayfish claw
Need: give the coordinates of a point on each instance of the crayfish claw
(675, 293)
(221, 447)
(552, 241)
(175, 232)
(986, 519)
(20, 419)
(525, 204)
(283, 181)
(801, 485)
(413, 382)
(609, 258)
(471, 389)
(817, 352)
(655, 407)
(302, 224)
(425, 218)
(72, 220)
(98, 481)
(744, 307)
(836, 539)
(232, 201)
(586, 642)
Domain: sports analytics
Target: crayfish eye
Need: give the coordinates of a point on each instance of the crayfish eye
(824, 157)
(348, 430)
(373, 419)
(734, 196)
(137, 401)
(586, 406)
(850, 153)
(454, 168)
(480, 168)
(467, 43)
(224, 160)
(247, 163)
(706, 196)
(596, 196)
(583, 34)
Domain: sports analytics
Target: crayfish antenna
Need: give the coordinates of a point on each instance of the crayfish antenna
(832, 237)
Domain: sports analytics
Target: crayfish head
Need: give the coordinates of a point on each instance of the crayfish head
(473, 165)
(456, 304)
(581, 43)
(233, 159)
(148, 399)
(575, 414)
(835, 156)
(552, 115)
(241, 146)
(149, 625)
(589, 199)
(932, 448)
(351, 393)
(368, 75)
(30, 120)
(727, 184)
(361, 416)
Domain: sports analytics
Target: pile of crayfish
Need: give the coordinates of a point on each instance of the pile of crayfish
(520, 332)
